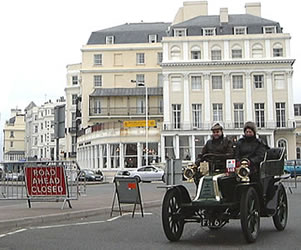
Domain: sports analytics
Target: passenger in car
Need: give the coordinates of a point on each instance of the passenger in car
(250, 147)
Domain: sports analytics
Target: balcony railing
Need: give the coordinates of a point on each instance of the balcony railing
(125, 111)
(72, 154)
(207, 126)
(72, 130)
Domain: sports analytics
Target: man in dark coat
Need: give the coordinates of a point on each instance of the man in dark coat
(219, 145)
(250, 147)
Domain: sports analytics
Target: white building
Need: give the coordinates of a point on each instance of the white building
(228, 69)
(40, 138)
(196, 71)
(14, 133)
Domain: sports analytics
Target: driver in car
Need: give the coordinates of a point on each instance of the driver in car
(218, 144)
(251, 148)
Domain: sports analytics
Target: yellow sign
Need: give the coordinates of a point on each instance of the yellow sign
(139, 123)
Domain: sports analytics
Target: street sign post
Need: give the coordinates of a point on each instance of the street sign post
(127, 192)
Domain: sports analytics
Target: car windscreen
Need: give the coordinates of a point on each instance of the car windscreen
(290, 163)
(89, 172)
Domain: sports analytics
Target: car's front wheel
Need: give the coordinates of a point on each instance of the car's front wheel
(172, 220)
(250, 214)
(281, 215)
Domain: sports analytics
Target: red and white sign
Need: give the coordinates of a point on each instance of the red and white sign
(45, 181)
(231, 165)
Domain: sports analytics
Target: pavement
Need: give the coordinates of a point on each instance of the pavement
(17, 214)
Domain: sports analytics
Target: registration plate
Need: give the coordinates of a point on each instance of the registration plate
(205, 223)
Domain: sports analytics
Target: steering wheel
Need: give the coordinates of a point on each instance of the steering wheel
(213, 157)
(215, 161)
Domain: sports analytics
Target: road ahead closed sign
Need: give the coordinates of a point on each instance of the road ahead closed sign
(45, 181)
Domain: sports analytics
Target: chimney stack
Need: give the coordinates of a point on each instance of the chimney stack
(253, 9)
(223, 15)
(190, 10)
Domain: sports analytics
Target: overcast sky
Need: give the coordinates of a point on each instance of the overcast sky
(40, 37)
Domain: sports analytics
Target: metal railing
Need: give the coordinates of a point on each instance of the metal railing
(125, 111)
(13, 184)
(227, 125)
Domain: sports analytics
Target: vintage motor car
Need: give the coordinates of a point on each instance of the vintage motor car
(229, 193)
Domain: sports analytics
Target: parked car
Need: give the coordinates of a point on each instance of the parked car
(144, 173)
(293, 167)
(11, 177)
(90, 175)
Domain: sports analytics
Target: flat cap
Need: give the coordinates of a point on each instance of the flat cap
(216, 126)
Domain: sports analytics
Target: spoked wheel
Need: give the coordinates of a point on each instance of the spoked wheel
(281, 215)
(250, 214)
(173, 224)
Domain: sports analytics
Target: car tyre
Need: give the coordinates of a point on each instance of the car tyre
(281, 215)
(138, 178)
(172, 220)
(250, 214)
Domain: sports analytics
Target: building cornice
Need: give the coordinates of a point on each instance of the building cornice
(275, 36)
(133, 47)
(226, 63)
(104, 70)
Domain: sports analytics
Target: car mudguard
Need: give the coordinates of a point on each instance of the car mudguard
(183, 192)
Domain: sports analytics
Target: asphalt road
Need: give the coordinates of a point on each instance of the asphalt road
(125, 232)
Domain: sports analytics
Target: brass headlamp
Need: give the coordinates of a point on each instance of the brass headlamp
(191, 170)
(243, 171)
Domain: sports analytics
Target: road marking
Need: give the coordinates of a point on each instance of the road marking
(114, 218)
(70, 224)
(13, 232)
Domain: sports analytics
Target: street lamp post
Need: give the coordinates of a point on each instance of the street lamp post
(146, 126)
(142, 84)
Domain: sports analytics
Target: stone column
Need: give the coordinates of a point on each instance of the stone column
(270, 101)
(268, 48)
(228, 110)
(249, 101)
(186, 108)
(193, 156)
(101, 156)
(290, 102)
(108, 157)
(206, 50)
(207, 101)
(185, 51)
(139, 154)
(96, 157)
(226, 50)
(177, 146)
(247, 49)
(166, 99)
(121, 153)
(162, 149)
